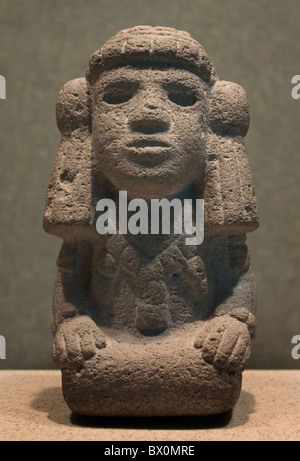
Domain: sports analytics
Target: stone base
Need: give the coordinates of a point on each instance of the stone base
(33, 409)
(150, 377)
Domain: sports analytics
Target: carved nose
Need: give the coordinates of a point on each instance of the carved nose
(149, 119)
(149, 126)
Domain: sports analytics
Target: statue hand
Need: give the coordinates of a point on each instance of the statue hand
(225, 341)
(77, 340)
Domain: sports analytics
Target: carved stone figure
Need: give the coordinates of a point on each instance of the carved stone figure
(146, 324)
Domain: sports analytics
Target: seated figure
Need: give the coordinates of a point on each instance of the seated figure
(146, 324)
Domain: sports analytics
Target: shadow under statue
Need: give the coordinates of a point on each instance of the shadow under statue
(144, 324)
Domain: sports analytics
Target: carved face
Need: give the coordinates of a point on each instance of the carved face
(149, 129)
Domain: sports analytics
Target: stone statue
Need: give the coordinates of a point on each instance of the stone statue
(144, 323)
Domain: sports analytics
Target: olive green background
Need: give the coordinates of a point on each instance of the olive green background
(45, 43)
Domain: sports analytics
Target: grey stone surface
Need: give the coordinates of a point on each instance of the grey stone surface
(45, 44)
(168, 324)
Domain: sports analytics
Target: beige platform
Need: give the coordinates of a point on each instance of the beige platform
(32, 408)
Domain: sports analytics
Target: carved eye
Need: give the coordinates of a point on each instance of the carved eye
(181, 95)
(118, 94)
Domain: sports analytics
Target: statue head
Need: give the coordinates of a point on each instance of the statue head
(149, 104)
(152, 118)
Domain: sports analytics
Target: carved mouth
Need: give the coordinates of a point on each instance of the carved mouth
(150, 156)
(148, 162)
(148, 152)
(144, 142)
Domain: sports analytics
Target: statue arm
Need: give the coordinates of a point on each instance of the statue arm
(225, 338)
(236, 293)
(70, 298)
(77, 336)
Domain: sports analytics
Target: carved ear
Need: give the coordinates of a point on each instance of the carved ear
(69, 197)
(229, 109)
(230, 203)
(72, 109)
